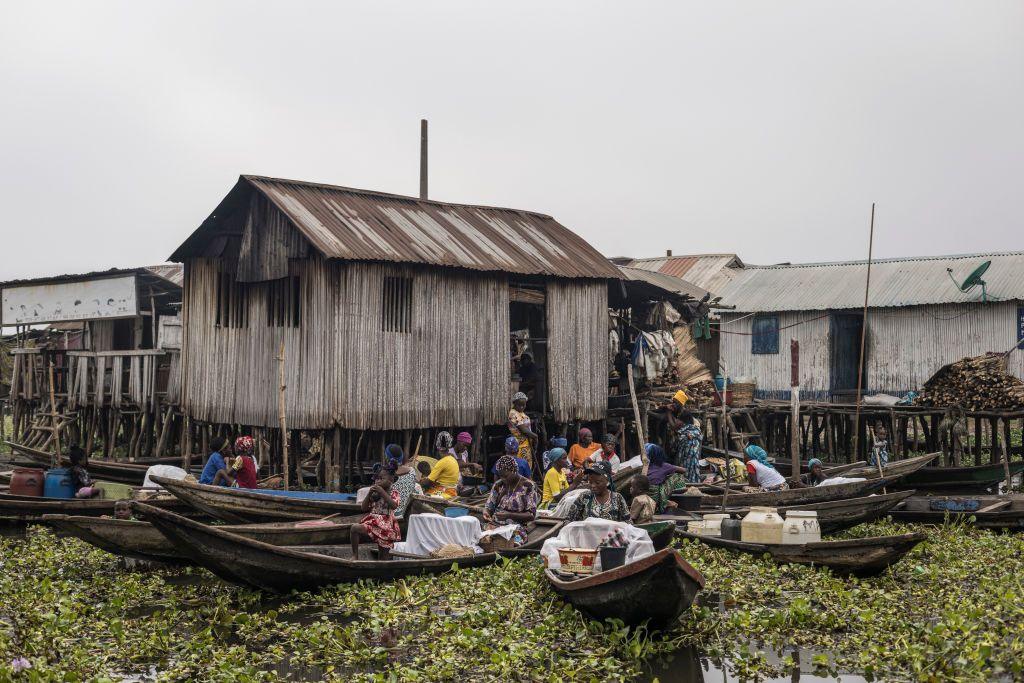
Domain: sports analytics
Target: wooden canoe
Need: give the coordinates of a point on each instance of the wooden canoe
(133, 473)
(837, 515)
(979, 478)
(283, 569)
(993, 512)
(656, 589)
(798, 496)
(32, 508)
(859, 556)
(245, 506)
(142, 541)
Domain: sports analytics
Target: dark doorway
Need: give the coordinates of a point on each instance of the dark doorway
(844, 352)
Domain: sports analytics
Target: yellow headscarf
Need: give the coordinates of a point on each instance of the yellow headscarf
(680, 397)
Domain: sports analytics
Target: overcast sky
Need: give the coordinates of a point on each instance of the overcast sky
(762, 128)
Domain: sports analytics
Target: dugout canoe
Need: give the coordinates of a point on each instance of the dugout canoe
(32, 508)
(132, 473)
(798, 496)
(141, 540)
(278, 569)
(858, 556)
(253, 506)
(985, 512)
(979, 478)
(837, 515)
(657, 589)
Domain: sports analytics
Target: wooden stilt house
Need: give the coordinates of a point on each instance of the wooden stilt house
(396, 313)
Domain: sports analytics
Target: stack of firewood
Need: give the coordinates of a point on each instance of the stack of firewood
(699, 393)
(979, 383)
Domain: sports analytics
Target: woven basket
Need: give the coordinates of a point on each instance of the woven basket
(494, 543)
(743, 393)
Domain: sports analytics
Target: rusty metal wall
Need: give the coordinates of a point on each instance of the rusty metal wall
(905, 346)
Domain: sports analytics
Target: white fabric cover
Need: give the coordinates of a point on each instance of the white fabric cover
(503, 531)
(635, 461)
(565, 503)
(168, 471)
(429, 531)
(835, 481)
(589, 533)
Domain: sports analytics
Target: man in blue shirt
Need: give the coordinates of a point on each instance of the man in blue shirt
(215, 464)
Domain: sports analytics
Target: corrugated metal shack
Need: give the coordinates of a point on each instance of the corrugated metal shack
(918, 320)
(113, 380)
(396, 313)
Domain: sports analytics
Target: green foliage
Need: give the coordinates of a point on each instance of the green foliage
(952, 610)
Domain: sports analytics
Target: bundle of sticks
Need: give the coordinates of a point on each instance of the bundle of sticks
(978, 383)
(700, 393)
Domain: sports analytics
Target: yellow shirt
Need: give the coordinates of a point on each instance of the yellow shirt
(554, 483)
(445, 472)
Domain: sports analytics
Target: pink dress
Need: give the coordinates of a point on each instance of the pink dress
(380, 522)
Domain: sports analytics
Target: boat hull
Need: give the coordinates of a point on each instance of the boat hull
(978, 479)
(32, 508)
(656, 589)
(799, 496)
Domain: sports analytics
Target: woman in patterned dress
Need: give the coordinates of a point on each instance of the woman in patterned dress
(513, 500)
(379, 524)
(601, 500)
(405, 477)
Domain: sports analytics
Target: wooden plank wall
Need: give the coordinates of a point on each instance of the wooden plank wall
(341, 366)
(577, 321)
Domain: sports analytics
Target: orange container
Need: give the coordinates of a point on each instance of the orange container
(27, 481)
(577, 560)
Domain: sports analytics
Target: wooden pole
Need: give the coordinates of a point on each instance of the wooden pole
(281, 418)
(794, 397)
(863, 336)
(1006, 457)
(725, 440)
(636, 417)
(55, 461)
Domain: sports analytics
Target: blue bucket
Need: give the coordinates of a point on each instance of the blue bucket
(58, 484)
(455, 512)
(719, 381)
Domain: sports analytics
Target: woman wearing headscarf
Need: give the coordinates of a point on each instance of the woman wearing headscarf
(579, 452)
(688, 442)
(554, 479)
(405, 477)
(461, 450)
(244, 465)
(607, 453)
(815, 473)
(443, 479)
(513, 499)
(519, 426)
(601, 500)
(512, 449)
(663, 476)
(379, 523)
(755, 452)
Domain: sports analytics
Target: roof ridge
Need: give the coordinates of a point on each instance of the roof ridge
(389, 195)
(894, 259)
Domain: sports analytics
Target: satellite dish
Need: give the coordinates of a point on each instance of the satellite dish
(973, 280)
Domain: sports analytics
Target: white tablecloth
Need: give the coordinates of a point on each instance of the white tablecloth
(429, 531)
(589, 533)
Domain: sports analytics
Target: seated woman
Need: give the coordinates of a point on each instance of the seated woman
(80, 478)
(379, 524)
(609, 444)
(443, 479)
(554, 479)
(512, 449)
(580, 452)
(664, 477)
(600, 501)
(216, 471)
(244, 467)
(815, 475)
(764, 476)
(405, 477)
(462, 443)
(513, 500)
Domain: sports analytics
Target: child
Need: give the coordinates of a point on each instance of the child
(643, 507)
(80, 478)
(379, 524)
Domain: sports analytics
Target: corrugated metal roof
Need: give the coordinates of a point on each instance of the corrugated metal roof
(667, 282)
(171, 272)
(712, 272)
(361, 225)
(894, 282)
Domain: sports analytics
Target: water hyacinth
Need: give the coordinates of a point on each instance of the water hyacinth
(951, 610)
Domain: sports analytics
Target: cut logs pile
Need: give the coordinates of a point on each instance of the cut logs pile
(700, 393)
(975, 384)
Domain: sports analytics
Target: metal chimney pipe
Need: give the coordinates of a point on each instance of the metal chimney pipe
(668, 252)
(423, 158)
